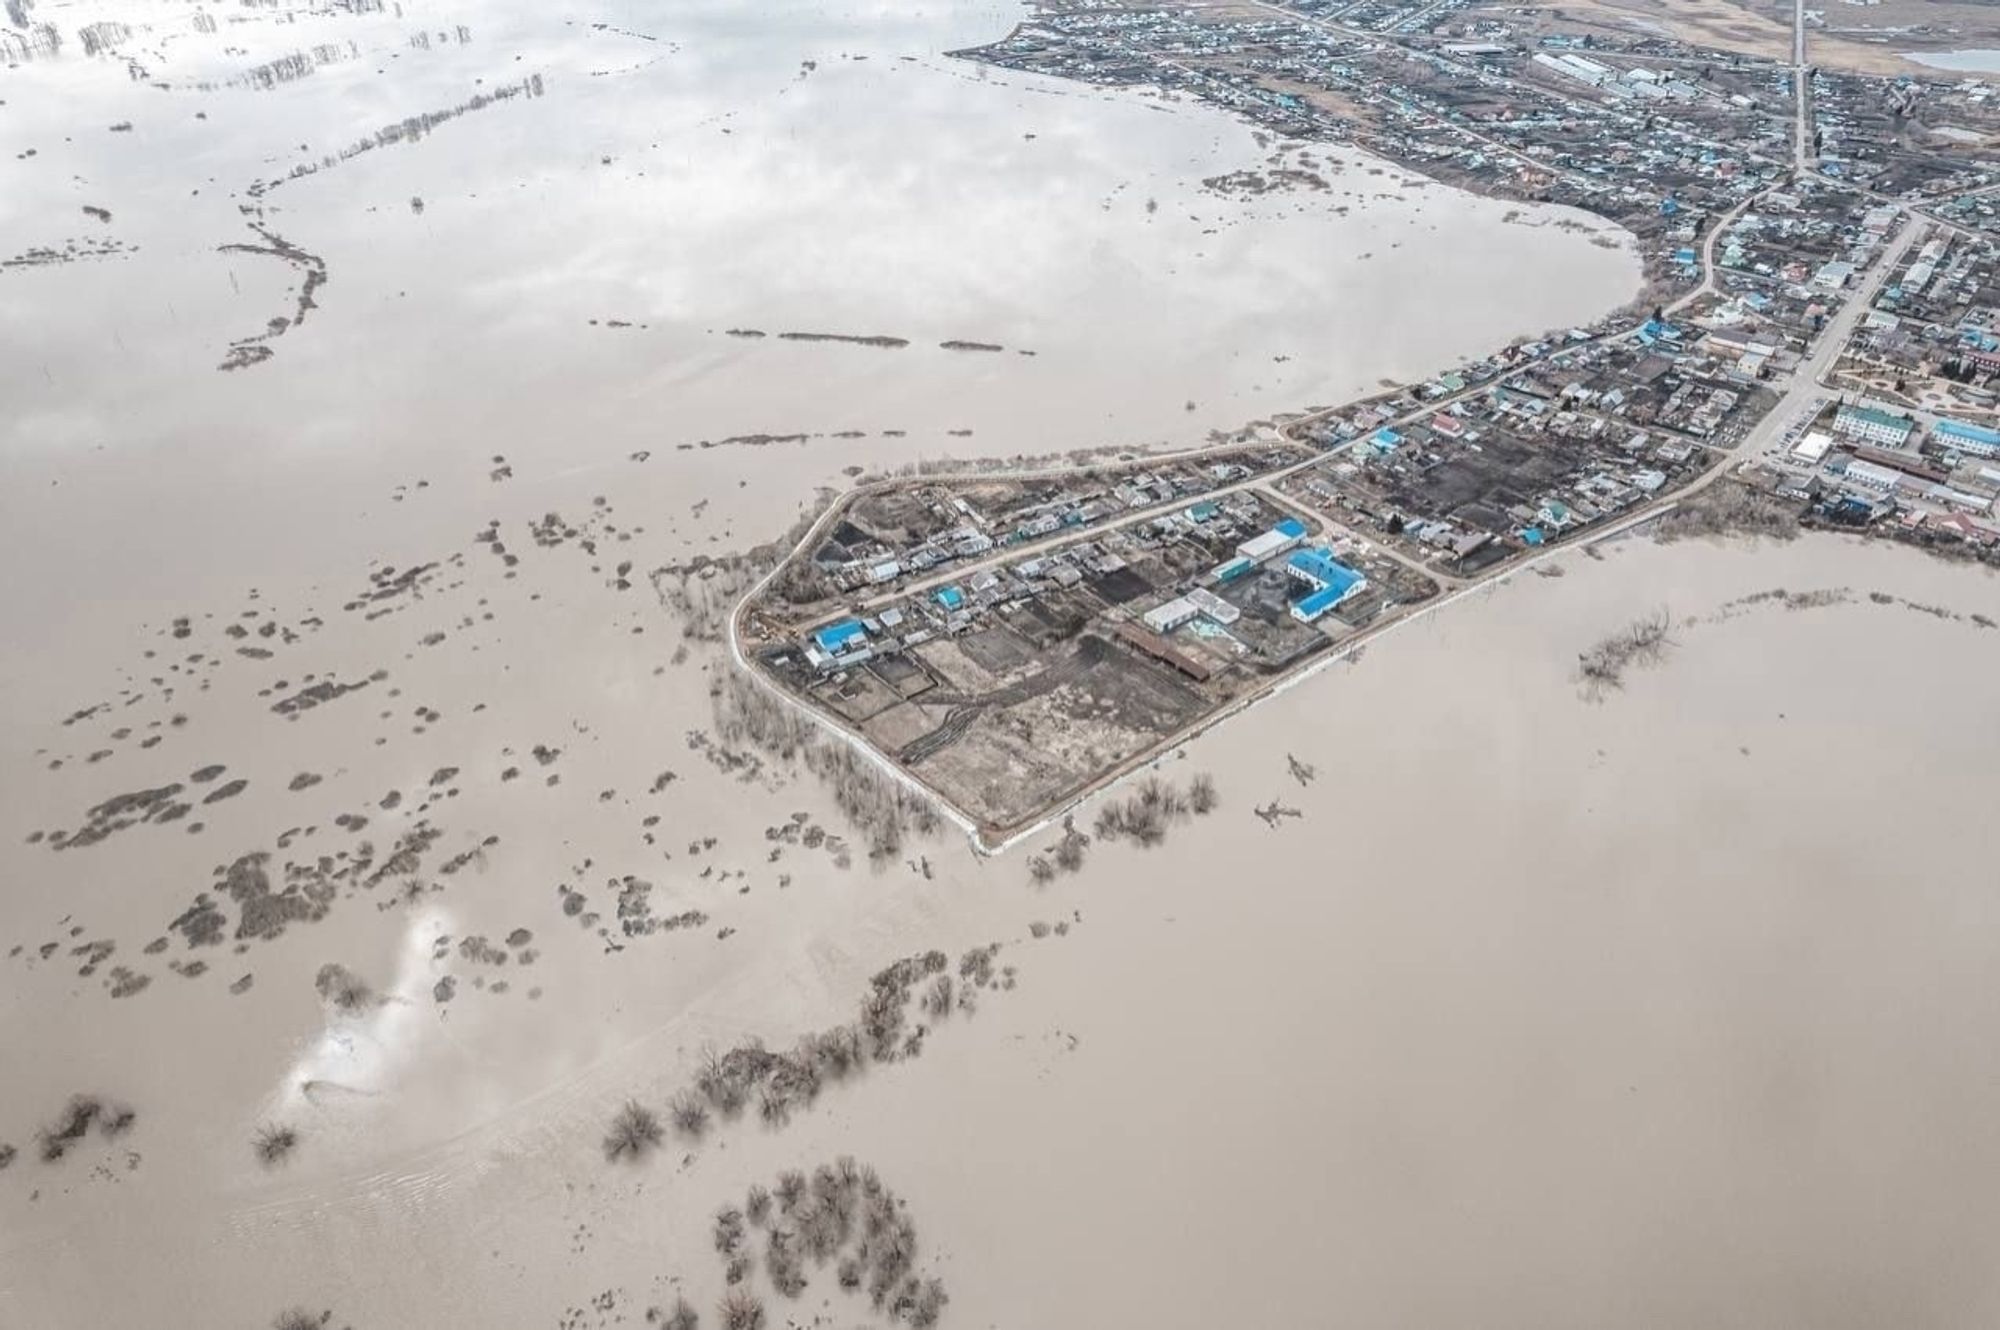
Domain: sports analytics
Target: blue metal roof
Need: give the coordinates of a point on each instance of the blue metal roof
(842, 633)
(1319, 602)
(1291, 527)
(1330, 573)
(950, 597)
(1958, 429)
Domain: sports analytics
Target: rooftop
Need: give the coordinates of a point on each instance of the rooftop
(839, 634)
(1875, 415)
(1959, 429)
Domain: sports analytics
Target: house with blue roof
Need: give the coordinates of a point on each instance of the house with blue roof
(1385, 440)
(949, 598)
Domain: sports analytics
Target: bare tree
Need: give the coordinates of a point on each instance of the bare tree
(274, 1143)
(728, 1230)
(937, 1002)
(740, 1309)
(690, 1115)
(634, 1131)
(928, 1304)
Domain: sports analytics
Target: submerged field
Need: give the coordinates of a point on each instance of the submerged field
(1389, 1047)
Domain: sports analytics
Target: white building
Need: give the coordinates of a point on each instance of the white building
(1871, 424)
(1814, 447)
(1214, 606)
(1268, 545)
(1870, 476)
(1172, 615)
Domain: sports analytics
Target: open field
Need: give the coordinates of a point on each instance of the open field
(1868, 39)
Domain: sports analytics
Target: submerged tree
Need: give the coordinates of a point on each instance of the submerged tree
(634, 1131)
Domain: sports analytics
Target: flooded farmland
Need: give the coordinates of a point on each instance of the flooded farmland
(394, 394)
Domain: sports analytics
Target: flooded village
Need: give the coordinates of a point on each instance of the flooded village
(824, 665)
(1779, 237)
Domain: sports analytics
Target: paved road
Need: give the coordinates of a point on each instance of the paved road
(1709, 271)
(1292, 429)
(1807, 381)
(1801, 93)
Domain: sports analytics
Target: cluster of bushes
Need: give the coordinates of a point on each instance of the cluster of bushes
(79, 1115)
(883, 811)
(342, 989)
(300, 1318)
(778, 1083)
(1144, 816)
(1065, 857)
(704, 592)
(1641, 642)
(680, 1316)
(1728, 508)
(842, 1214)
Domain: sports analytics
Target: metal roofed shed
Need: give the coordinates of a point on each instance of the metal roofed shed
(1229, 572)
(840, 635)
(1271, 544)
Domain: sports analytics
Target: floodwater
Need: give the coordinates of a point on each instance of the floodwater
(685, 170)
(1979, 61)
(1690, 1018)
(1349, 1062)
